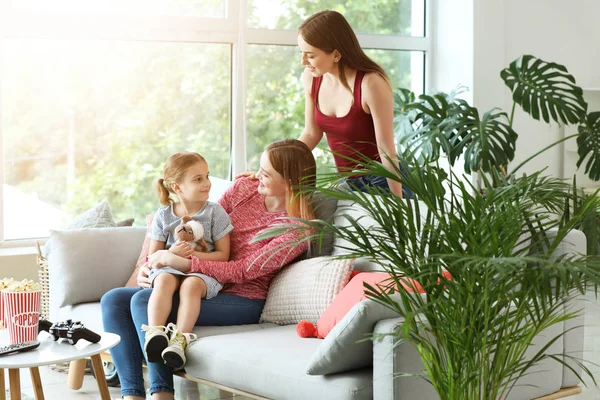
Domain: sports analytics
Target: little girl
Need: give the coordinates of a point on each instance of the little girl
(182, 191)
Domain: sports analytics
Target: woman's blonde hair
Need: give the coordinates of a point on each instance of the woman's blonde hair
(328, 31)
(174, 171)
(294, 161)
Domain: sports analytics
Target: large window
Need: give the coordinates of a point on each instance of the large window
(94, 96)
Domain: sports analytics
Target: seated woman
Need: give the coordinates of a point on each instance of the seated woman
(253, 205)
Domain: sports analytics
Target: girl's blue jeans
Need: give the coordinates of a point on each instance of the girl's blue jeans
(124, 310)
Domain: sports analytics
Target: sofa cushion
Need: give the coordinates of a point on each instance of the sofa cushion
(344, 348)
(125, 222)
(324, 207)
(271, 363)
(304, 289)
(350, 209)
(86, 263)
(347, 208)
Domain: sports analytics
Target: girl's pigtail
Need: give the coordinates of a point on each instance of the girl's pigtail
(164, 197)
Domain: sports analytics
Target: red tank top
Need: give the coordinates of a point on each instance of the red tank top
(350, 134)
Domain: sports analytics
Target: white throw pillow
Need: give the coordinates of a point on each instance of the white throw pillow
(99, 216)
(304, 289)
(86, 263)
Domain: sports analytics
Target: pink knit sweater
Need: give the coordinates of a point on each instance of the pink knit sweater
(248, 273)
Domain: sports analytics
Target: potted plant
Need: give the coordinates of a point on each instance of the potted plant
(497, 241)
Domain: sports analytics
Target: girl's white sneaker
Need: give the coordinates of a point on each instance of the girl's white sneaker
(174, 354)
(156, 340)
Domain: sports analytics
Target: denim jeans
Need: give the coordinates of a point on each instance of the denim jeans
(360, 183)
(124, 310)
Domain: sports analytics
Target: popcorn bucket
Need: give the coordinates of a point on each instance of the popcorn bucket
(21, 315)
(4, 283)
(2, 324)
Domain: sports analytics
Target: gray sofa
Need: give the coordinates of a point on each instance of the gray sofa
(267, 360)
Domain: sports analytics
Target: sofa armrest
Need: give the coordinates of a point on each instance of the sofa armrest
(574, 242)
(391, 358)
(86, 263)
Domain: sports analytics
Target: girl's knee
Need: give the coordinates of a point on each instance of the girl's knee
(167, 282)
(193, 285)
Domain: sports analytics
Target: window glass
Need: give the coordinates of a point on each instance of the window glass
(399, 17)
(196, 8)
(84, 121)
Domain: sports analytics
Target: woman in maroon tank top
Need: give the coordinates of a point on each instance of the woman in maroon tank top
(348, 97)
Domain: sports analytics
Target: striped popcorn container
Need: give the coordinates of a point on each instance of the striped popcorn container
(2, 324)
(21, 315)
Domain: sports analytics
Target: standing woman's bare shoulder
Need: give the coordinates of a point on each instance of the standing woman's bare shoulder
(375, 89)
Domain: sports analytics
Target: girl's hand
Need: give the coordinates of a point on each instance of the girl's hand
(160, 258)
(249, 175)
(182, 249)
(142, 277)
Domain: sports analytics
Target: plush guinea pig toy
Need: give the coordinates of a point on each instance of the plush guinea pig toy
(192, 232)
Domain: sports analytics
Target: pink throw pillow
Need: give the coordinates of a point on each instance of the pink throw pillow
(350, 295)
(353, 293)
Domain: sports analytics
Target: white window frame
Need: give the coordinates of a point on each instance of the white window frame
(232, 30)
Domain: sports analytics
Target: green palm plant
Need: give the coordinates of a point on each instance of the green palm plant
(498, 241)
(473, 330)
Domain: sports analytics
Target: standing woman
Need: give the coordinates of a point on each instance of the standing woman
(348, 97)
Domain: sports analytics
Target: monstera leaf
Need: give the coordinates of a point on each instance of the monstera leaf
(424, 135)
(403, 121)
(486, 142)
(546, 89)
(588, 144)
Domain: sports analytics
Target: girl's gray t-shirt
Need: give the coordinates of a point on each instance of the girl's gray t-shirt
(212, 216)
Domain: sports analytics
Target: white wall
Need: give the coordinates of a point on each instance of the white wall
(452, 61)
(566, 32)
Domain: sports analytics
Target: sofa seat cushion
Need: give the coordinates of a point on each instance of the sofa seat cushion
(272, 363)
(90, 315)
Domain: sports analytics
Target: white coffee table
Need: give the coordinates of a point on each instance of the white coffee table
(52, 352)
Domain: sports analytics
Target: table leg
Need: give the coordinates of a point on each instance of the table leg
(2, 385)
(37, 383)
(100, 377)
(15, 384)
(76, 372)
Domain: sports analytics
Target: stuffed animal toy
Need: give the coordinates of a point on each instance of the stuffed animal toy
(192, 232)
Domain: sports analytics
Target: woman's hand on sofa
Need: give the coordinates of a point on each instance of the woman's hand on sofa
(142, 277)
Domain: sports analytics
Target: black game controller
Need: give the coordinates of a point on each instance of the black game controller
(44, 325)
(72, 331)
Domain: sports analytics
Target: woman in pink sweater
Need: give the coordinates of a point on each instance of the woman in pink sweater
(252, 205)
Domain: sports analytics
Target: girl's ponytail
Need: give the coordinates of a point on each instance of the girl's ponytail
(164, 197)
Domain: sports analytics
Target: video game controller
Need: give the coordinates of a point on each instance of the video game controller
(44, 325)
(72, 331)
